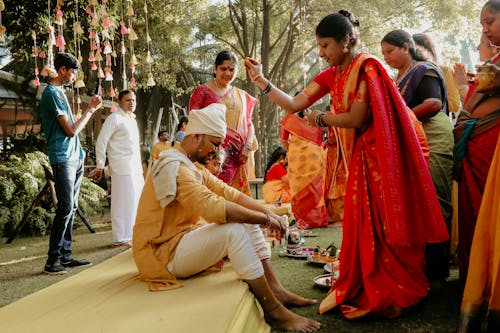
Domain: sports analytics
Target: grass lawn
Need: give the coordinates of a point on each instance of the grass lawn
(437, 314)
(21, 265)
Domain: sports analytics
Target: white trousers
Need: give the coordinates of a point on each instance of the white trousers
(201, 248)
(125, 194)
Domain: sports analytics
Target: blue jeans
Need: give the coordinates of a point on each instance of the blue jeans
(68, 177)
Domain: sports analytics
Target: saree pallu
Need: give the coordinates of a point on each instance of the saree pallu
(481, 301)
(475, 144)
(306, 172)
(391, 210)
(276, 190)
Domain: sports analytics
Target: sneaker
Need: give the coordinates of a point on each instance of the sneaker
(76, 263)
(55, 269)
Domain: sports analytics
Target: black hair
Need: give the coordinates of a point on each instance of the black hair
(123, 93)
(425, 47)
(338, 25)
(225, 55)
(67, 60)
(275, 155)
(493, 5)
(398, 38)
(161, 132)
(183, 120)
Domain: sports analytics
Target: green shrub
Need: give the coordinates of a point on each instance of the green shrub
(22, 177)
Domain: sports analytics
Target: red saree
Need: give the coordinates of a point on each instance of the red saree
(391, 209)
(306, 172)
(476, 134)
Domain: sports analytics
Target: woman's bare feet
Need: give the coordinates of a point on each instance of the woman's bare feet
(283, 319)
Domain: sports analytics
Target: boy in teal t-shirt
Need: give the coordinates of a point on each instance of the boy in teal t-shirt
(66, 158)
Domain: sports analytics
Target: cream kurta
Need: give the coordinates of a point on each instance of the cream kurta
(158, 230)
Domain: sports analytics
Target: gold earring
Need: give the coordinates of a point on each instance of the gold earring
(346, 49)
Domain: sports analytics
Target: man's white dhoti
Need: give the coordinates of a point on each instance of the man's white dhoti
(125, 194)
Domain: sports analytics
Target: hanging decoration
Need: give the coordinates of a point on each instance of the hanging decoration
(36, 81)
(3, 29)
(132, 36)
(149, 60)
(79, 83)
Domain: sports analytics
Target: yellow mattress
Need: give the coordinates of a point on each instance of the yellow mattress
(109, 297)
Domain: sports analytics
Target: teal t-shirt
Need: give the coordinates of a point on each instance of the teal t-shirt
(62, 148)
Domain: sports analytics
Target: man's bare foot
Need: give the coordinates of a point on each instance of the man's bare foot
(290, 299)
(283, 319)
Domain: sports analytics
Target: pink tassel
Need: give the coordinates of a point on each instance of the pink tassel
(132, 67)
(88, 10)
(112, 93)
(108, 74)
(123, 49)
(91, 56)
(123, 29)
(106, 23)
(35, 51)
(113, 108)
(92, 34)
(108, 61)
(94, 47)
(36, 82)
(94, 66)
(59, 15)
(107, 47)
(44, 72)
(60, 42)
(41, 54)
(132, 82)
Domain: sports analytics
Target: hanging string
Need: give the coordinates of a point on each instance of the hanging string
(149, 60)
(79, 83)
(132, 36)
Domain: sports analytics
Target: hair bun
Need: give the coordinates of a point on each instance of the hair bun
(350, 16)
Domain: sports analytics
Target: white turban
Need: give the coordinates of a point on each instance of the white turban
(210, 120)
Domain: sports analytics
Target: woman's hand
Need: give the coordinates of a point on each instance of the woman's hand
(311, 117)
(254, 69)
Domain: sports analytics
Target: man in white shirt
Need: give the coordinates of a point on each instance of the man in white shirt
(119, 140)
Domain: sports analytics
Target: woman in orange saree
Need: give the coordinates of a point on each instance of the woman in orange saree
(306, 171)
(481, 298)
(384, 230)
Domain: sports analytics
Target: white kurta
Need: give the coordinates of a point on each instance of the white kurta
(119, 141)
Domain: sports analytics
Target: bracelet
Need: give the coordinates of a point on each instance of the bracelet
(248, 146)
(268, 88)
(255, 78)
(319, 120)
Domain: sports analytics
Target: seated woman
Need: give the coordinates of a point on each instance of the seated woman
(276, 188)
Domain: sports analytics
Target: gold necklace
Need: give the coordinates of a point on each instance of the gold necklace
(400, 78)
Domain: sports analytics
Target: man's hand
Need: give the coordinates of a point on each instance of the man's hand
(96, 174)
(95, 103)
(278, 225)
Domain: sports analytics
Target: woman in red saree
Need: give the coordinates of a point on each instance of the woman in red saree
(240, 139)
(476, 133)
(306, 171)
(384, 231)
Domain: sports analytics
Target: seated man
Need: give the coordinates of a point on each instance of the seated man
(188, 220)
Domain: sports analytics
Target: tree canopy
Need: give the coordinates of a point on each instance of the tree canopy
(186, 35)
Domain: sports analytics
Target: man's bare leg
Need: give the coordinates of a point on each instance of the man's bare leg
(276, 315)
(286, 297)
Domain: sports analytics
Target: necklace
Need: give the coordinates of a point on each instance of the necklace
(227, 97)
(403, 75)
